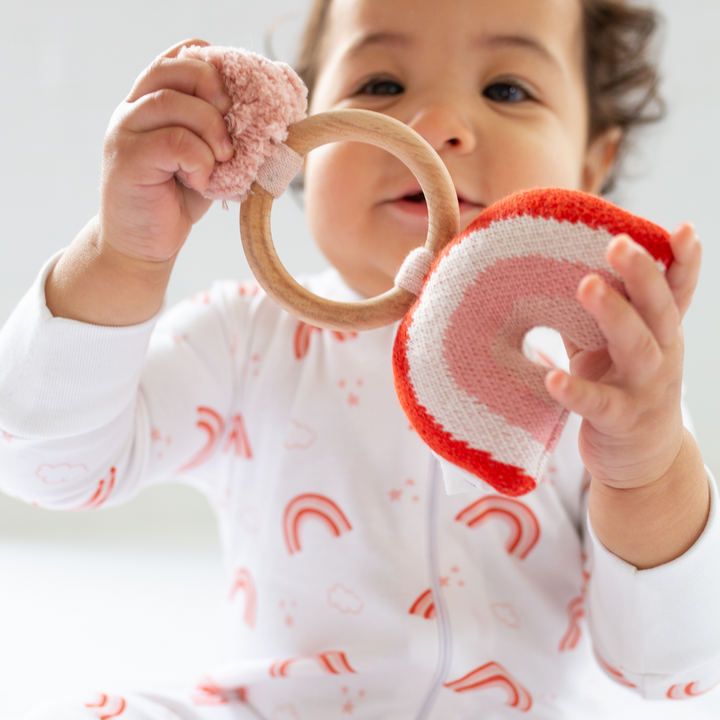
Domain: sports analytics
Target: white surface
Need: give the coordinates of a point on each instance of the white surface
(98, 604)
(132, 597)
(127, 598)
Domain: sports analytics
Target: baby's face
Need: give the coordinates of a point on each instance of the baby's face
(497, 88)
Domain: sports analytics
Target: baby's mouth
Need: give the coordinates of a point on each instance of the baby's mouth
(418, 199)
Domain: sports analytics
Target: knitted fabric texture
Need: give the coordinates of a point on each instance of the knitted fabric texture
(414, 270)
(460, 372)
(267, 98)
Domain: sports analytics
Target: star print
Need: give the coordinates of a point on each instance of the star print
(7, 436)
(353, 399)
(454, 569)
(416, 498)
(409, 481)
(155, 435)
(394, 495)
(348, 707)
(345, 689)
(444, 581)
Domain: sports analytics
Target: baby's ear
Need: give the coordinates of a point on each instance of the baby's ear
(599, 159)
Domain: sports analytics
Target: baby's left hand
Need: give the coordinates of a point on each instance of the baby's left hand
(629, 393)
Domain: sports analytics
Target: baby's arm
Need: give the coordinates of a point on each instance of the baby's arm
(116, 271)
(92, 411)
(654, 622)
(649, 497)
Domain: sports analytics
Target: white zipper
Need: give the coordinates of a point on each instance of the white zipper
(441, 613)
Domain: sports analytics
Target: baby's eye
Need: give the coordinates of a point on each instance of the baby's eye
(506, 92)
(381, 86)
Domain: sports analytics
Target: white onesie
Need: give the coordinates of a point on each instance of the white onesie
(356, 585)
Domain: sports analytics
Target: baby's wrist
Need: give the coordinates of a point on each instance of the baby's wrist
(133, 266)
(96, 284)
(654, 523)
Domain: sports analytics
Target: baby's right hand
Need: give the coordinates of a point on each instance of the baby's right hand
(171, 124)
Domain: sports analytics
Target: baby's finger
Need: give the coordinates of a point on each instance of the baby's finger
(646, 287)
(173, 50)
(682, 276)
(633, 348)
(158, 155)
(602, 405)
(186, 75)
(167, 108)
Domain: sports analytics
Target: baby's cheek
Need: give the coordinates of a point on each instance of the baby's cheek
(548, 159)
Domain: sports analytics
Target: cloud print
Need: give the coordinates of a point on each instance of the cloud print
(56, 474)
(285, 712)
(506, 614)
(344, 600)
(299, 436)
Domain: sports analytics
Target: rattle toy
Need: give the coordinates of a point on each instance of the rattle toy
(465, 301)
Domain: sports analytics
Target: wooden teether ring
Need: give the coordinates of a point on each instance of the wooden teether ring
(407, 146)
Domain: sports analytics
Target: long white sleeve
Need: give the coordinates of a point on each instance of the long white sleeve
(81, 404)
(658, 630)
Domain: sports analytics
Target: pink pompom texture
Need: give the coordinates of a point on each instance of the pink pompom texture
(267, 98)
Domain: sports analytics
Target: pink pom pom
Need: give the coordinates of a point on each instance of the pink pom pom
(267, 97)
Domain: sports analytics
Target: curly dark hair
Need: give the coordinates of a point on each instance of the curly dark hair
(621, 71)
(621, 68)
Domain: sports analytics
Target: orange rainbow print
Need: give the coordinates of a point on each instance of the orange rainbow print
(494, 675)
(332, 662)
(311, 506)
(237, 438)
(244, 581)
(210, 422)
(524, 527)
(576, 611)
(301, 342)
(614, 673)
(424, 606)
(102, 493)
(208, 692)
(304, 333)
(107, 707)
(683, 692)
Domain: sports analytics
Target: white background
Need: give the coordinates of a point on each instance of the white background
(132, 596)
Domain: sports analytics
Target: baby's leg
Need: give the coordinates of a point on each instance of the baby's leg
(138, 706)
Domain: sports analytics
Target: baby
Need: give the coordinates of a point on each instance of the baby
(408, 602)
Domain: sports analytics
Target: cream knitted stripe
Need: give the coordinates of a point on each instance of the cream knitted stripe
(414, 270)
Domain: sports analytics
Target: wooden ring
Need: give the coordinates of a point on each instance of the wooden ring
(375, 129)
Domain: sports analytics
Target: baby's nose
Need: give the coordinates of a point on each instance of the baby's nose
(445, 128)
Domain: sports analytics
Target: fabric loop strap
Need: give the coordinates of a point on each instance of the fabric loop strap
(414, 270)
(276, 173)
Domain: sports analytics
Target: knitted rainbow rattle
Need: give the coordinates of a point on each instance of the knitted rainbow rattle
(465, 301)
